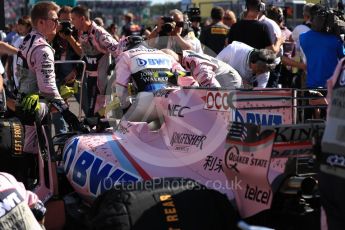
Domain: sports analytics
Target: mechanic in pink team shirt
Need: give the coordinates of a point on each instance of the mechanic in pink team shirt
(146, 68)
(207, 70)
(19, 208)
(96, 47)
(36, 75)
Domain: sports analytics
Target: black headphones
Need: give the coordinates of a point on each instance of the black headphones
(262, 7)
(276, 14)
(258, 4)
(133, 41)
(255, 56)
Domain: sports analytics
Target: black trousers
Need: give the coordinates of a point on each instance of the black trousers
(332, 189)
(92, 91)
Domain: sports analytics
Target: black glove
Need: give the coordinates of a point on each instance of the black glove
(73, 121)
(39, 210)
(126, 109)
(111, 68)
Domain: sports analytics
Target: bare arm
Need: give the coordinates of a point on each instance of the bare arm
(7, 49)
(290, 62)
(185, 45)
(151, 38)
(75, 44)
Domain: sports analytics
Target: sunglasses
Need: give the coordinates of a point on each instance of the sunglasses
(55, 20)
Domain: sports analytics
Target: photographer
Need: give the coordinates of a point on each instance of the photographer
(68, 32)
(66, 48)
(195, 19)
(174, 33)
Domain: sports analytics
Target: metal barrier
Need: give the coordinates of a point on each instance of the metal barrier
(3, 105)
(294, 101)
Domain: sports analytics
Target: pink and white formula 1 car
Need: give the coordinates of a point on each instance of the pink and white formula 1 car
(194, 140)
(189, 142)
(193, 133)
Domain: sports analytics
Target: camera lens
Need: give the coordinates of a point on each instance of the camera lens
(167, 27)
(66, 28)
(179, 24)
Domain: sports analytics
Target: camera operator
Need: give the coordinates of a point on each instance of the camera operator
(174, 33)
(66, 48)
(195, 19)
(158, 38)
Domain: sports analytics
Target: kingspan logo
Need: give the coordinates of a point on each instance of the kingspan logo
(187, 139)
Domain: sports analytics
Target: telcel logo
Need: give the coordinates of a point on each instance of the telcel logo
(257, 195)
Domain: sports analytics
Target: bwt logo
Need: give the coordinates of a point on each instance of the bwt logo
(92, 172)
(258, 118)
(153, 61)
(9, 199)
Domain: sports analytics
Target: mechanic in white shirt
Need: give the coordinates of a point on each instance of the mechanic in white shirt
(253, 65)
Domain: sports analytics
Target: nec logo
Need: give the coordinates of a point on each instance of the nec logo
(152, 61)
(176, 110)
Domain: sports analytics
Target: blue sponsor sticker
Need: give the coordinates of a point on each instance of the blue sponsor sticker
(259, 118)
(93, 171)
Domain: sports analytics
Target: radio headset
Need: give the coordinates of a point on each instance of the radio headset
(261, 7)
(255, 57)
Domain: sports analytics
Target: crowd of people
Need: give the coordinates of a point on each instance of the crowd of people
(252, 50)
